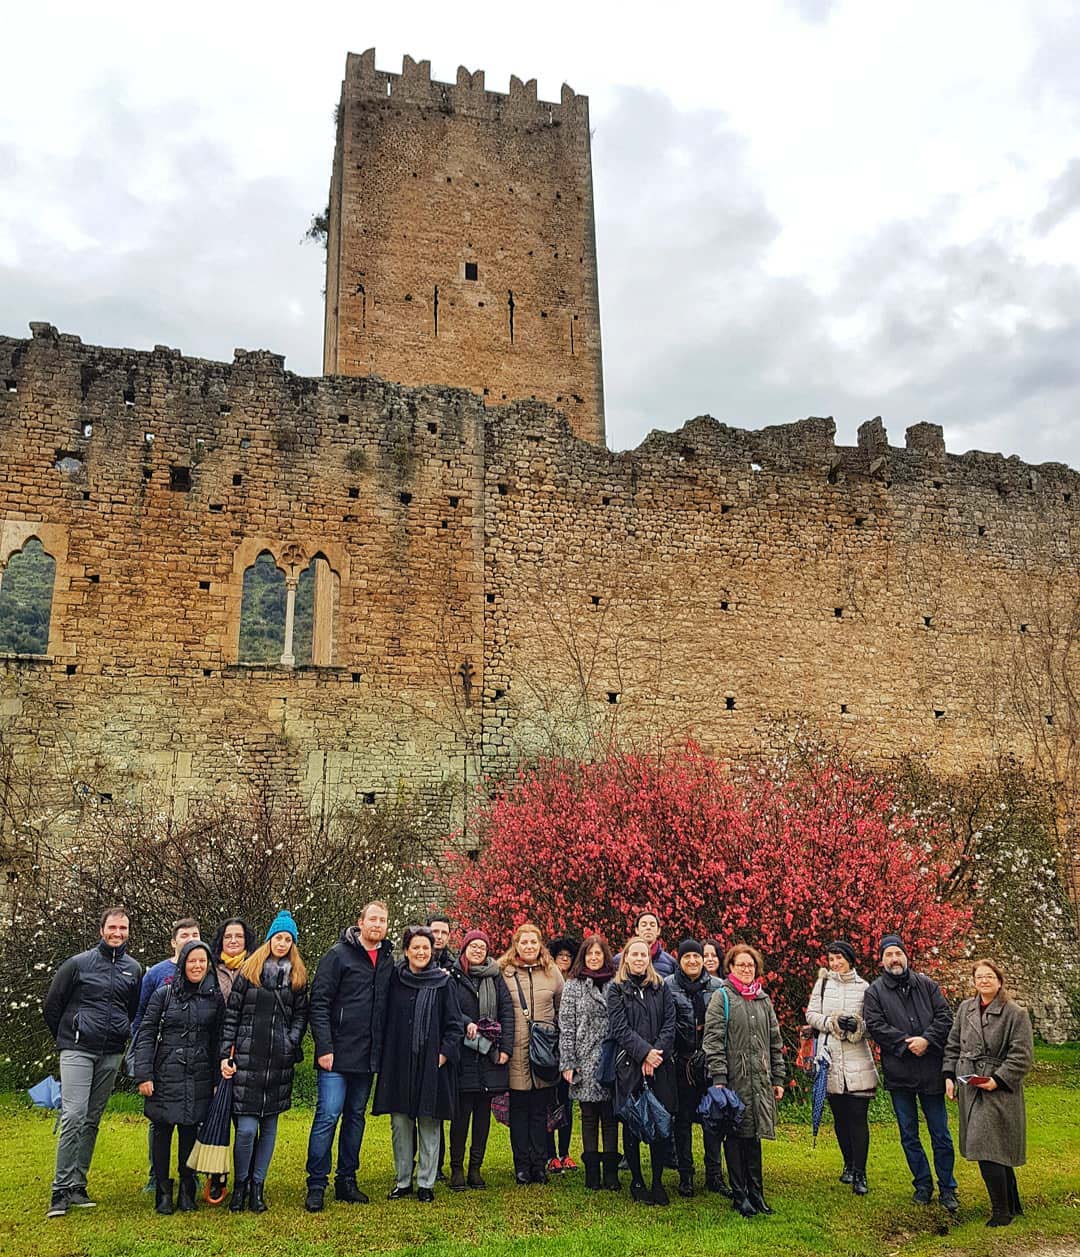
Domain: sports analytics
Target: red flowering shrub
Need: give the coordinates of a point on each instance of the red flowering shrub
(786, 858)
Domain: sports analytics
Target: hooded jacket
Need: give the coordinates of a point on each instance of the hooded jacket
(177, 1048)
(348, 1003)
(265, 1024)
(898, 1007)
(746, 1053)
(92, 1000)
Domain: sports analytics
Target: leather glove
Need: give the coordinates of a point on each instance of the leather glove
(847, 1023)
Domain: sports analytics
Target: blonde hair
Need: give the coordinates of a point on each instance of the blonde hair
(510, 957)
(253, 966)
(651, 976)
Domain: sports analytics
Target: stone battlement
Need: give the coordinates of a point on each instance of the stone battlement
(468, 96)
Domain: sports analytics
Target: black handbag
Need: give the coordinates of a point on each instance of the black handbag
(543, 1043)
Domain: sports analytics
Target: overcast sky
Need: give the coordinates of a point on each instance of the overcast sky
(809, 207)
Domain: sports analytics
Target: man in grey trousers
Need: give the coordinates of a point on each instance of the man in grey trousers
(88, 1010)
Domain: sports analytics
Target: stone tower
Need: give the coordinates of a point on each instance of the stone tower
(461, 247)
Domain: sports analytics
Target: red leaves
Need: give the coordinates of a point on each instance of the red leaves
(787, 862)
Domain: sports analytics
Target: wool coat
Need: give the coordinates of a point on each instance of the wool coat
(852, 1070)
(995, 1042)
(413, 1082)
(348, 1003)
(479, 1071)
(896, 1008)
(745, 1052)
(642, 1017)
(583, 1027)
(265, 1025)
(543, 992)
(177, 1048)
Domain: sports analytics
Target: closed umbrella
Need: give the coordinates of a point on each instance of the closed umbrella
(819, 1086)
(211, 1152)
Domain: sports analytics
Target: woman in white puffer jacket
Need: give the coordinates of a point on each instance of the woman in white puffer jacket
(835, 1013)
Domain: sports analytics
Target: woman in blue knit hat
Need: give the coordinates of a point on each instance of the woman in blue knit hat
(265, 1020)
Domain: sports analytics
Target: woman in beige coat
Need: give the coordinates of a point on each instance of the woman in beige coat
(535, 985)
(835, 1013)
(988, 1053)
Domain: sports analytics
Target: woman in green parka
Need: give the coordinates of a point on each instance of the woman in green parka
(744, 1051)
(988, 1053)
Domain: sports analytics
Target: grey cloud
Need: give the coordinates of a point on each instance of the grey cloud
(695, 322)
(1063, 200)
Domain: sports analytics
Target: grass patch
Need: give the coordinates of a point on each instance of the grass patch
(815, 1214)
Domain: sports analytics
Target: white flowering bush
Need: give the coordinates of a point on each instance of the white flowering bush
(244, 857)
(1010, 868)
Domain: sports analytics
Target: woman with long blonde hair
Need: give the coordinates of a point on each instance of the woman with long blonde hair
(535, 986)
(265, 1020)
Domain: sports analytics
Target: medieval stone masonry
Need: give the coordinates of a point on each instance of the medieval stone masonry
(489, 580)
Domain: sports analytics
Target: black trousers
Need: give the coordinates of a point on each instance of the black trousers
(659, 1154)
(598, 1122)
(558, 1141)
(683, 1132)
(1001, 1187)
(528, 1129)
(472, 1108)
(161, 1149)
(852, 1128)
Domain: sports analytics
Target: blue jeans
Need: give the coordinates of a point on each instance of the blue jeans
(254, 1146)
(906, 1107)
(341, 1097)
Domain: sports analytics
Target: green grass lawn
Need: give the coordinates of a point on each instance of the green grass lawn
(815, 1214)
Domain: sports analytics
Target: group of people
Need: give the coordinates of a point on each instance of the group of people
(432, 1037)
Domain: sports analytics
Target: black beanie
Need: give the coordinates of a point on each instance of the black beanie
(842, 949)
(691, 946)
(891, 940)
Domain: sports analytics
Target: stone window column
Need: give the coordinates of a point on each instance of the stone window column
(288, 659)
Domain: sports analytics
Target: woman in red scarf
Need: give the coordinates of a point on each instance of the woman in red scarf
(744, 1051)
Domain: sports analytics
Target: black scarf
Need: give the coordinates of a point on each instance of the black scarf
(426, 984)
(898, 981)
(694, 989)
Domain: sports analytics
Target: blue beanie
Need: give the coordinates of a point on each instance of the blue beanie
(283, 924)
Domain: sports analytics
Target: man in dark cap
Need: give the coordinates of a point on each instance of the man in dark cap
(908, 1017)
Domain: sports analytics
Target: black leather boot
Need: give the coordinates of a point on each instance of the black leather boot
(737, 1173)
(996, 1178)
(239, 1196)
(457, 1178)
(163, 1202)
(185, 1197)
(591, 1162)
(686, 1183)
(858, 1183)
(257, 1203)
(610, 1162)
(754, 1185)
(1015, 1208)
(474, 1178)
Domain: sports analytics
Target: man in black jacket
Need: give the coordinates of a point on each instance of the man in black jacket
(347, 1013)
(88, 1010)
(908, 1017)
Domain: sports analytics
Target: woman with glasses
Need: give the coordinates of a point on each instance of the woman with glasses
(744, 1051)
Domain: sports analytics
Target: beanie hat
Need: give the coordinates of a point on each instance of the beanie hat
(844, 949)
(891, 940)
(473, 936)
(283, 923)
(690, 946)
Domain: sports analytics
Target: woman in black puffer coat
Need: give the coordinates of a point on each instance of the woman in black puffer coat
(176, 1052)
(641, 1020)
(483, 1069)
(265, 1021)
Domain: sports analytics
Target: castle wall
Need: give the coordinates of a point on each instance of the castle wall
(432, 179)
(504, 587)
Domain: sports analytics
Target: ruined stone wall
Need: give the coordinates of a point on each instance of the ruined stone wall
(154, 480)
(504, 588)
(461, 245)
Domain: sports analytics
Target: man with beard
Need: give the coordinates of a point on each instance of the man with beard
(907, 1016)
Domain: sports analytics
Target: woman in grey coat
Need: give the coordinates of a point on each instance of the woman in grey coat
(583, 1027)
(744, 1051)
(988, 1053)
(835, 1013)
